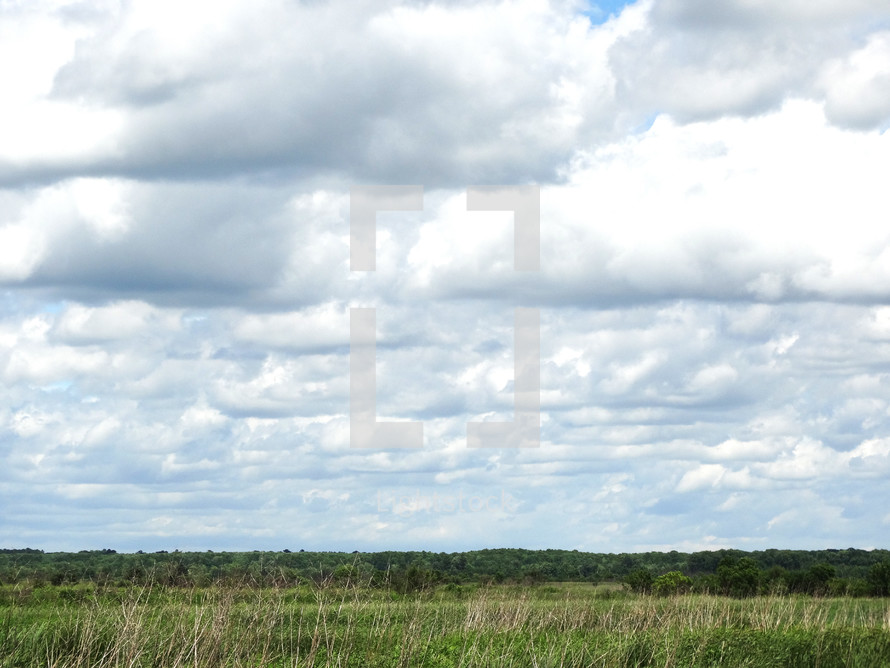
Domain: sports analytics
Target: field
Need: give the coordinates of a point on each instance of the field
(570, 624)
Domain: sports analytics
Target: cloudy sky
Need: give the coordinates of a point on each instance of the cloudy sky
(175, 281)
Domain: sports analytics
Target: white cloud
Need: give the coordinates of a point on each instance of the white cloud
(697, 60)
(175, 283)
(20, 250)
(856, 85)
(121, 320)
(713, 476)
(322, 328)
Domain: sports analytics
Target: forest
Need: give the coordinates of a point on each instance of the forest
(833, 572)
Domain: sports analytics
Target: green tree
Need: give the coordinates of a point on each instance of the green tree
(671, 584)
(879, 579)
(738, 578)
(819, 576)
(639, 581)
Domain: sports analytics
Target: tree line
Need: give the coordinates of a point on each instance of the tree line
(848, 571)
(743, 577)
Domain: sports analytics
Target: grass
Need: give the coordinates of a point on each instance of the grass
(554, 625)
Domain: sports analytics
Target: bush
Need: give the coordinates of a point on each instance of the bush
(738, 578)
(413, 579)
(671, 584)
(639, 581)
(879, 579)
(858, 587)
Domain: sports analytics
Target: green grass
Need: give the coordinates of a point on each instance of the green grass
(551, 625)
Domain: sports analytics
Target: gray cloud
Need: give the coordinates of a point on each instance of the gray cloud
(699, 60)
(174, 262)
(438, 93)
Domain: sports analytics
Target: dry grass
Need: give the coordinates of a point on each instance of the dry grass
(498, 626)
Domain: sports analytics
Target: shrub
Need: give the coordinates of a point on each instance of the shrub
(639, 581)
(738, 578)
(671, 584)
(879, 579)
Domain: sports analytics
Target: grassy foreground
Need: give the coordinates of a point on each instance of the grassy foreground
(566, 625)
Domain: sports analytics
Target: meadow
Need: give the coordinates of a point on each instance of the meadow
(562, 624)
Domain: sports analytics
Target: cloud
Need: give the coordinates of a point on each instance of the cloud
(123, 320)
(856, 85)
(318, 329)
(686, 211)
(175, 285)
(697, 60)
(168, 242)
(361, 90)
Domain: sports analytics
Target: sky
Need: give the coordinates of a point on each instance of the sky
(175, 279)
